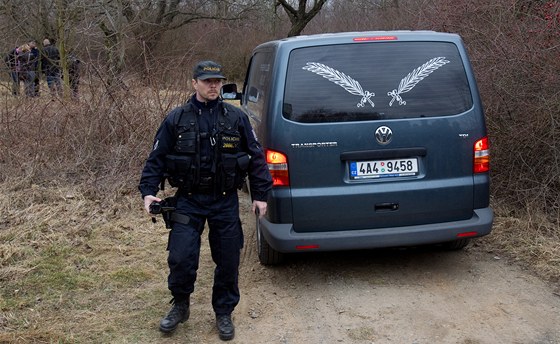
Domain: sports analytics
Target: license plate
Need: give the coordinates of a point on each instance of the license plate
(383, 168)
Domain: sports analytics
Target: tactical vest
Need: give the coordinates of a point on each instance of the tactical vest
(229, 162)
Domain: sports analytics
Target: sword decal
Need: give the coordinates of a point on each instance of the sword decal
(414, 77)
(350, 85)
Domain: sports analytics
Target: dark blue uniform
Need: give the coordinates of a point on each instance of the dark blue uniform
(217, 207)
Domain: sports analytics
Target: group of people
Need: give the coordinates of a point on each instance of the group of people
(26, 61)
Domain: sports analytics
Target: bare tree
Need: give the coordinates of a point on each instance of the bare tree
(128, 30)
(53, 19)
(148, 21)
(300, 17)
(61, 8)
(29, 19)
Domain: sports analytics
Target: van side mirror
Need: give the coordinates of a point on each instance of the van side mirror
(229, 91)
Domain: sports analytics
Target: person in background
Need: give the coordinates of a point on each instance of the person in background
(36, 58)
(27, 64)
(50, 63)
(205, 148)
(74, 71)
(11, 60)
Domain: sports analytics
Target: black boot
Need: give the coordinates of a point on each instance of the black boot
(179, 313)
(226, 330)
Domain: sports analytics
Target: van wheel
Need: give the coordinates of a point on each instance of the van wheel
(267, 255)
(455, 245)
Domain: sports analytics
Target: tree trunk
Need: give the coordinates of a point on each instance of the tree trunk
(61, 22)
(300, 18)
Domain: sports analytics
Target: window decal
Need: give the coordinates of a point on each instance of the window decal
(350, 85)
(414, 77)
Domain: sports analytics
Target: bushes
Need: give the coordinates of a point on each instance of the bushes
(100, 142)
(516, 57)
(514, 48)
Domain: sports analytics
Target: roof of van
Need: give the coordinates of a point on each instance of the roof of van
(362, 36)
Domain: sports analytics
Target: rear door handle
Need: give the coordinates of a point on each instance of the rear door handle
(388, 206)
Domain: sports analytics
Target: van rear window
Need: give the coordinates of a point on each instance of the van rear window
(370, 81)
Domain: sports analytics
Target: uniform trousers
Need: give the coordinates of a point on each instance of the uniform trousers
(225, 236)
(15, 82)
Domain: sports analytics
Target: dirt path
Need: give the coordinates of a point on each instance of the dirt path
(414, 296)
(411, 296)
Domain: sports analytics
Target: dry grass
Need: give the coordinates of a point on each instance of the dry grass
(532, 240)
(72, 268)
(79, 270)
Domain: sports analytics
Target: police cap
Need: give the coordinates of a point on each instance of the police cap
(208, 70)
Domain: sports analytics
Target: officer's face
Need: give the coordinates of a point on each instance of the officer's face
(207, 90)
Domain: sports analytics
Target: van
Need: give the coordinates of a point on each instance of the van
(373, 139)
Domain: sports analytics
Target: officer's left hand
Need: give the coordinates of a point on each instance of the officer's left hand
(261, 206)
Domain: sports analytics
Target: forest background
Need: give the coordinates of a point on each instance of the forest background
(137, 64)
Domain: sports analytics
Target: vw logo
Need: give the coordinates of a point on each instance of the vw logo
(383, 135)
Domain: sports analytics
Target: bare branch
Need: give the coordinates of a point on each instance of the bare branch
(300, 18)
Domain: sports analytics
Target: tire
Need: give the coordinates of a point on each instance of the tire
(267, 255)
(455, 245)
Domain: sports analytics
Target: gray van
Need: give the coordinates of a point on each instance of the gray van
(373, 139)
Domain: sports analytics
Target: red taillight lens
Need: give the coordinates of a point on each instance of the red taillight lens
(467, 234)
(481, 156)
(278, 167)
(375, 38)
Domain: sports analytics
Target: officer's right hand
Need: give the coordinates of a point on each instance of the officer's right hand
(148, 200)
(259, 208)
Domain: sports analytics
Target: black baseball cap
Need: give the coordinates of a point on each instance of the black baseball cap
(208, 70)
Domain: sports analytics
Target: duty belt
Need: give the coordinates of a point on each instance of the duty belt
(205, 184)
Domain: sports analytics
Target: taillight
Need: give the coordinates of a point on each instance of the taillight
(481, 156)
(278, 167)
(374, 38)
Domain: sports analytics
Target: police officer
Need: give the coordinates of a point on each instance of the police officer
(205, 148)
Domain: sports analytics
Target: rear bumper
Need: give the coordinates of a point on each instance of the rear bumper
(283, 238)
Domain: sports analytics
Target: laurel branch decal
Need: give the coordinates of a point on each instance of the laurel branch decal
(350, 85)
(414, 77)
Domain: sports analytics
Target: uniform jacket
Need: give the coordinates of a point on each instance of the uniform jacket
(11, 59)
(50, 61)
(260, 181)
(27, 62)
